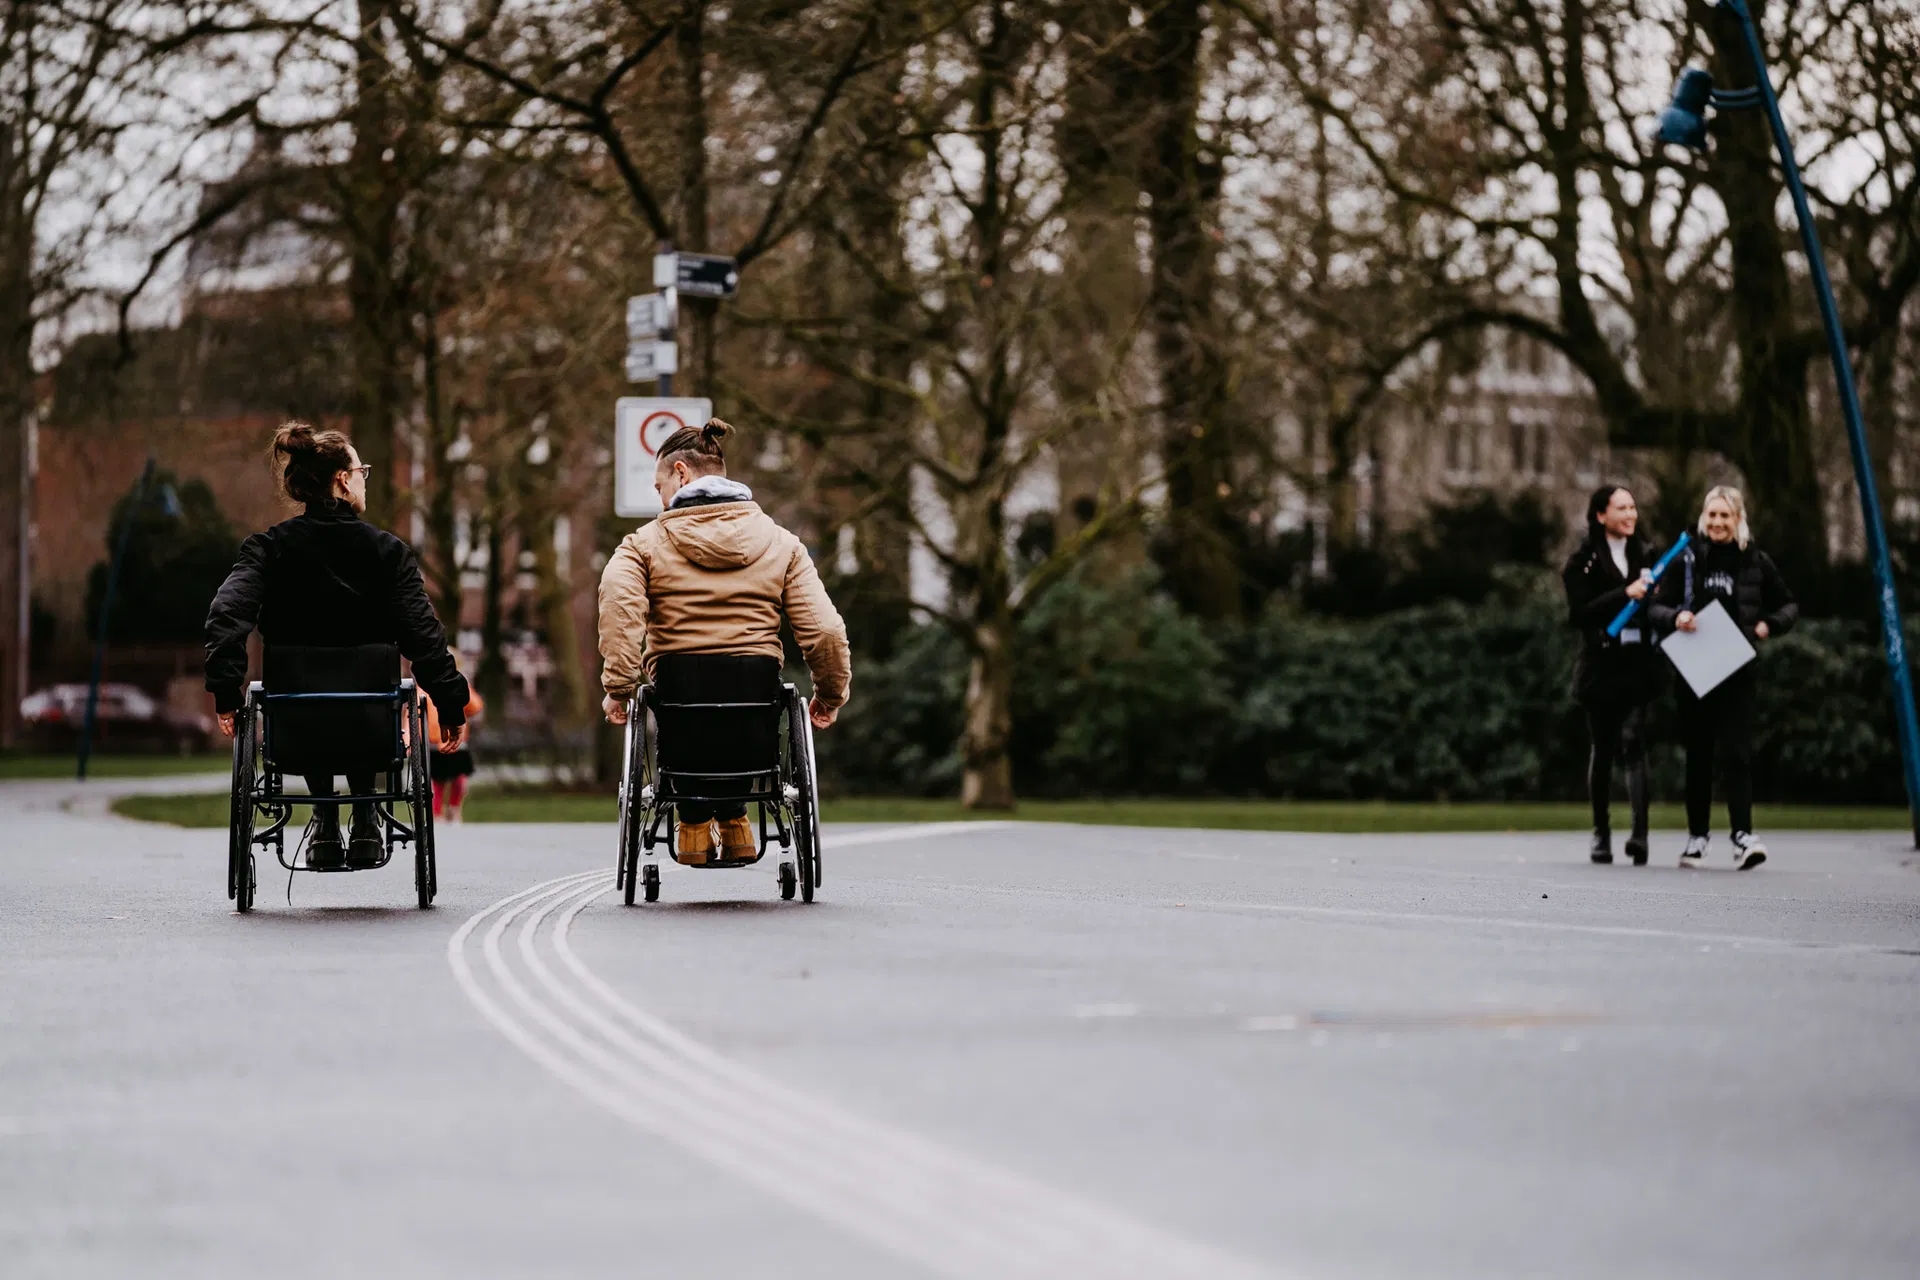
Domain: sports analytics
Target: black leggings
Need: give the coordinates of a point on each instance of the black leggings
(329, 814)
(1719, 727)
(1614, 729)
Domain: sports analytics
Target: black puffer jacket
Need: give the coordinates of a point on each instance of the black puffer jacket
(1744, 579)
(329, 578)
(1609, 668)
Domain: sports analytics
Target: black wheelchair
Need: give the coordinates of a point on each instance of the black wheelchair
(329, 711)
(718, 731)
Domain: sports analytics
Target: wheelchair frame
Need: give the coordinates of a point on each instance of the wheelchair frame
(259, 793)
(649, 799)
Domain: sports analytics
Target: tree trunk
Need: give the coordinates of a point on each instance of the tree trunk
(985, 591)
(986, 779)
(1204, 540)
(492, 676)
(694, 230)
(1773, 445)
(563, 638)
(442, 476)
(1100, 157)
(16, 428)
(372, 195)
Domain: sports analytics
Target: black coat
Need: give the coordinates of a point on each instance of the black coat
(1609, 669)
(1760, 594)
(329, 578)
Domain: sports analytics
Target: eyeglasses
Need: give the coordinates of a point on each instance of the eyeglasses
(363, 470)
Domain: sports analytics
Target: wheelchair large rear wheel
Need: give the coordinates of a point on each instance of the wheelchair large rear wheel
(425, 874)
(240, 871)
(635, 814)
(806, 809)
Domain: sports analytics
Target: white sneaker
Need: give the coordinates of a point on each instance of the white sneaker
(1748, 852)
(1695, 853)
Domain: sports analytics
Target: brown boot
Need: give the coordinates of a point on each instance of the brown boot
(737, 838)
(697, 841)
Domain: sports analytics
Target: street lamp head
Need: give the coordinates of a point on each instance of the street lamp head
(1684, 123)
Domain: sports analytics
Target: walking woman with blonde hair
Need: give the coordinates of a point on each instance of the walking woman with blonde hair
(1723, 564)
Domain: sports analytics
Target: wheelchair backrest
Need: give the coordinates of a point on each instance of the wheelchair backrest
(324, 736)
(717, 713)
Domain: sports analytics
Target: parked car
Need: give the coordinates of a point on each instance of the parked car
(126, 716)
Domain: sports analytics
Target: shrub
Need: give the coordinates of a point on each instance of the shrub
(1117, 692)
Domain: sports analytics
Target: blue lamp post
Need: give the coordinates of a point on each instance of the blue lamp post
(1684, 123)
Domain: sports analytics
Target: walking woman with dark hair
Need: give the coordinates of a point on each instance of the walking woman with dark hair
(328, 578)
(1614, 678)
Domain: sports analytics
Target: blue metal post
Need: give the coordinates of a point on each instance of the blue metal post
(1891, 630)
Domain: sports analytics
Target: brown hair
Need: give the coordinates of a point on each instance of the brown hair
(698, 447)
(307, 460)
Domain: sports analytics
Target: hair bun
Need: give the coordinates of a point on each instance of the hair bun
(308, 460)
(715, 431)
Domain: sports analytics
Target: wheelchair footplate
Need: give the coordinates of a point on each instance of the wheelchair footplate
(719, 864)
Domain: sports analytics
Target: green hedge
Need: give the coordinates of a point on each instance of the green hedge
(1120, 693)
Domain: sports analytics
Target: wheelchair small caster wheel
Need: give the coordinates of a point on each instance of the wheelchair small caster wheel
(243, 896)
(788, 881)
(650, 881)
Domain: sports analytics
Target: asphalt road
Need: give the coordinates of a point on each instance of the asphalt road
(1003, 1051)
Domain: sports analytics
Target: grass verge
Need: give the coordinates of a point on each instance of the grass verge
(489, 805)
(39, 765)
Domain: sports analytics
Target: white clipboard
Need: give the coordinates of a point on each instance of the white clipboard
(1712, 651)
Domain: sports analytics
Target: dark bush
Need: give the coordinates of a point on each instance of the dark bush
(1120, 693)
(1116, 691)
(179, 551)
(900, 732)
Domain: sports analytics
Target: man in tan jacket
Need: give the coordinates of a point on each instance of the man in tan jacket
(713, 574)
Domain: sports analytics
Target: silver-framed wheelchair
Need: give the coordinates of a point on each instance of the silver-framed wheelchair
(718, 731)
(329, 711)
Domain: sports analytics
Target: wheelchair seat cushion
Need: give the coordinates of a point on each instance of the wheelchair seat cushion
(699, 737)
(324, 736)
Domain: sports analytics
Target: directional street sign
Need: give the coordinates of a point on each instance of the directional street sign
(650, 316)
(650, 358)
(641, 424)
(699, 275)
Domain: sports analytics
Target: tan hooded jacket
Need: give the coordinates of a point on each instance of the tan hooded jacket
(715, 578)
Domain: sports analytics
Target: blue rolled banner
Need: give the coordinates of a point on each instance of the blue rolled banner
(1626, 615)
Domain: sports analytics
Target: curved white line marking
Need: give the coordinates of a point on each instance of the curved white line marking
(952, 1213)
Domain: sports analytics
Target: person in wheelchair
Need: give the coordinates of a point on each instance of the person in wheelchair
(327, 578)
(704, 587)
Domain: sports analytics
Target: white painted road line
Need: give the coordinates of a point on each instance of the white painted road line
(951, 1213)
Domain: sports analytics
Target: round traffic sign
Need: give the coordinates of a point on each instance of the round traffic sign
(657, 428)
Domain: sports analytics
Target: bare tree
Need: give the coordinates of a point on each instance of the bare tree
(88, 85)
(1528, 162)
(974, 271)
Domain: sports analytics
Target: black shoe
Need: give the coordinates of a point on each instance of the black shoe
(366, 849)
(1637, 850)
(1601, 851)
(325, 850)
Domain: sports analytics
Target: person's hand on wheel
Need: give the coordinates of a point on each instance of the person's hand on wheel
(226, 722)
(822, 716)
(615, 708)
(1684, 622)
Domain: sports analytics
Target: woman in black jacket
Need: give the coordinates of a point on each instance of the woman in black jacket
(1723, 565)
(1614, 678)
(324, 578)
